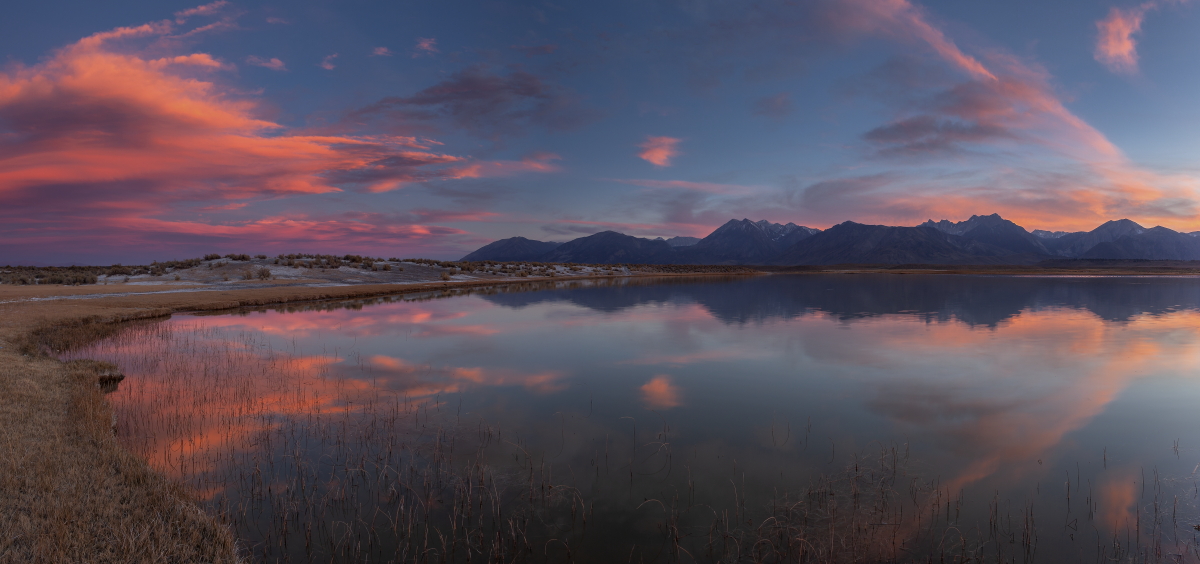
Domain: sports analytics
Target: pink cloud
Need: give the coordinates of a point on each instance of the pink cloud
(327, 62)
(659, 150)
(538, 162)
(113, 148)
(195, 59)
(1115, 46)
(425, 46)
(902, 20)
(272, 63)
(382, 52)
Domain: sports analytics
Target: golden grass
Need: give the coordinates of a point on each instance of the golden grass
(71, 494)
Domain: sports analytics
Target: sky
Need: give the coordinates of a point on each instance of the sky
(137, 131)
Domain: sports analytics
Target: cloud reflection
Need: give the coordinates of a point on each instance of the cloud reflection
(661, 393)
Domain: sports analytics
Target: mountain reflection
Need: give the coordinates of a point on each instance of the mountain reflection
(975, 300)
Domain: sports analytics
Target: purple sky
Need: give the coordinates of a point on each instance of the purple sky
(160, 130)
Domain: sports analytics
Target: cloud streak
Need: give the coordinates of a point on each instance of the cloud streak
(272, 63)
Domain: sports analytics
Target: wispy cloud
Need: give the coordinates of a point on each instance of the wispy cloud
(327, 62)
(205, 10)
(659, 150)
(272, 63)
(382, 52)
(425, 46)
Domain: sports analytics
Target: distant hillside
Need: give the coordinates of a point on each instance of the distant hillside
(610, 247)
(512, 249)
(742, 242)
(982, 239)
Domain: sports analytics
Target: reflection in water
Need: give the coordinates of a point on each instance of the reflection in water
(660, 393)
(1063, 402)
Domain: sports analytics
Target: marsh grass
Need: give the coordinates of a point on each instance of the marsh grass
(116, 508)
(309, 457)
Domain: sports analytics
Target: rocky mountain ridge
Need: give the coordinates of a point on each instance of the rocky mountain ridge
(981, 239)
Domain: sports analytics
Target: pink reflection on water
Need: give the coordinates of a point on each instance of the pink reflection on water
(660, 393)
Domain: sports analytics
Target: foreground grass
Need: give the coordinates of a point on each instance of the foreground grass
(71, 494)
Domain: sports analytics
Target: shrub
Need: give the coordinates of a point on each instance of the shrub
(387, 267)
(247, 274)
(264, 273)
(445, 275)
(212, 257)
(177, 277)
(260, 257)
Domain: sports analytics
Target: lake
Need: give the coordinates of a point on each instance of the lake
(822, 418)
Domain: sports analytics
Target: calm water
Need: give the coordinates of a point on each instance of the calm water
(1037, 419)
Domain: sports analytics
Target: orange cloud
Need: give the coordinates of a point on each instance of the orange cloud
(660, 393)
(540, 162)
(659, 150)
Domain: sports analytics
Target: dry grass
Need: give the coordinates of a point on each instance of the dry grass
(71, 494)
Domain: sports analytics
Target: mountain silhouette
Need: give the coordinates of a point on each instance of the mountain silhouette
(980, 240)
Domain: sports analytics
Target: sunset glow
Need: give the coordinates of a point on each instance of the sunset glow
(233, 127)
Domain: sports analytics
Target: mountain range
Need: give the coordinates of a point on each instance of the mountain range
(982, 239)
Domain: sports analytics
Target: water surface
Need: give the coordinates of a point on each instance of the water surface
(1038, 419)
